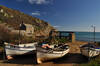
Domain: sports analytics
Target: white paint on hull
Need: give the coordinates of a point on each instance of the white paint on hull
(19, 49)
(42, 56)
(89, 53)
(11, 52)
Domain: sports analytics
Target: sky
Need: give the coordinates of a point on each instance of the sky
(65, 15)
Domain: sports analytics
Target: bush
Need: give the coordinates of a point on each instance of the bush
(1, 49)
(98, 43)
(93, 62)
(4, 33)
(25, 39)
(62, 40)
(56, 40)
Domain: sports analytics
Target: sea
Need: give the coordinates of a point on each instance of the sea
(87, 36)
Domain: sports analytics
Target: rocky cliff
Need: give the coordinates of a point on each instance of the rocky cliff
(12, 18)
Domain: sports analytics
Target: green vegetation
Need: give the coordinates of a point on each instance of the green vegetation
(37, 28)
(18, 17)
(56, 40)
(98, 43)
(25, 39)
(1, 49)
(0, 21)
(14, 18)
(62, 40)
(93, 62)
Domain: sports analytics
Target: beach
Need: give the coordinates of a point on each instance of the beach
(72, 58)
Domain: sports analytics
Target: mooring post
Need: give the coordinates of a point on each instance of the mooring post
(4, 53)
(72, 37)
(60, 35)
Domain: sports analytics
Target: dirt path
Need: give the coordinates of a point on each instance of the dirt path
(72, 58)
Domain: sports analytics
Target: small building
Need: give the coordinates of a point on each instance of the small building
(25, 29)
(29, 30)
(65, 34)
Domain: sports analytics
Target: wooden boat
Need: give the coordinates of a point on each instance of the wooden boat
(89, 50)
(20, 49)
(51, 53)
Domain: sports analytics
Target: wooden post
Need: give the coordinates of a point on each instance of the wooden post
(73, 37)
(60, 35)
(4, 53)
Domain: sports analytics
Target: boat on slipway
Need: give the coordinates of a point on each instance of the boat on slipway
(20, 49)
(44, 54)
(89, 50)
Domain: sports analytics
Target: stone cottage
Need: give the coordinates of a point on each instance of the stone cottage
(25, 30)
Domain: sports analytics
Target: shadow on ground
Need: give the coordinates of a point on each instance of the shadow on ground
(70, 58)
(67, 59)
(22, 59)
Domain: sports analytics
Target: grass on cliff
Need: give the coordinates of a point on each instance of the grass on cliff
(93, 62)
(19, 17)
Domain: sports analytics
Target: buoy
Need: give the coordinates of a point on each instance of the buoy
(9, 57)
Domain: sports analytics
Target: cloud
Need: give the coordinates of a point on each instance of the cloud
(56, 26)
(37, 13)
(39, 1)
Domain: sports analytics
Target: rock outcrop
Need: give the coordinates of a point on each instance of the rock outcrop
(13, 18)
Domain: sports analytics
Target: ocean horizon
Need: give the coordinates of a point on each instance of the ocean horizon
(87, 36)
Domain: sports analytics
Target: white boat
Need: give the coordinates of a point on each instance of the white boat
(89, 50)
(20, 49)
(48, 54)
